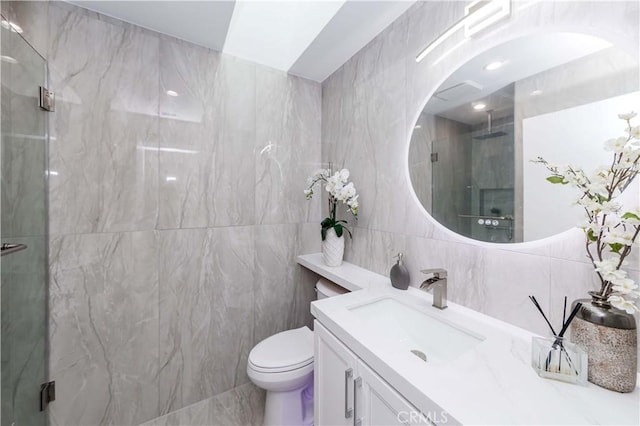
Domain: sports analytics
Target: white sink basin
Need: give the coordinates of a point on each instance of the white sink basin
(414, 331)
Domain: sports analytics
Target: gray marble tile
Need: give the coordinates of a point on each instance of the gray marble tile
(374, 120)
(106, 183)
(375, 250)
(288, 129)
(240, 406)
(467, 275)
(309, 239)
(103, 325)
(333, 132)
(283, 291)
(98, 62)
(509, 278)
(206, 299)
(104, 129)
(465, 265)
(377, 62)
(571, 279)
(207, 138)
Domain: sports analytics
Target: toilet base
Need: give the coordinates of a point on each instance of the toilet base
(290, 408)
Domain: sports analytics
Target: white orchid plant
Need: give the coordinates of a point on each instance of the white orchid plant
(611, 231)
(340, 191)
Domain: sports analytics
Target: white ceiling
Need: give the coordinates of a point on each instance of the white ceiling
(308, 38)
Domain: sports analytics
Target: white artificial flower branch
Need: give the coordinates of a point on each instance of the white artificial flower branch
(612, 233)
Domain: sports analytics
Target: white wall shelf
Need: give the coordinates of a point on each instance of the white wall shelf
(347, 275)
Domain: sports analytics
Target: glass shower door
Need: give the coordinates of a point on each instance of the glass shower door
(473, 182)
(23, 231)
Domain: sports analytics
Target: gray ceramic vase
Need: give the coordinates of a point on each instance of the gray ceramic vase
(610, 338)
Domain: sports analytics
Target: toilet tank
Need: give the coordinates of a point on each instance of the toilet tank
(326, 288)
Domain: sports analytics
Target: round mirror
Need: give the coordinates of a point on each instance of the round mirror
(556, 96)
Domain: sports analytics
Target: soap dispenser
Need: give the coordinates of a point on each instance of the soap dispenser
(399, 274)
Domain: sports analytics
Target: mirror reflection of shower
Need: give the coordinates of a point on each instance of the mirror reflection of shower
(476, 197)
(490, 134)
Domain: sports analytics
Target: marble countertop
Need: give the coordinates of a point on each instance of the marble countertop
(493, 383)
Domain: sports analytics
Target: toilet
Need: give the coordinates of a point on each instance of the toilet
(282, 365)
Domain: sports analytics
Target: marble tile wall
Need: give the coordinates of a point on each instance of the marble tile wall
(104, 327)
(370, 106)
(175, 221)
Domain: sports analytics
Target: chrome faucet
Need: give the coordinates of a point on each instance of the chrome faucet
(439, 285)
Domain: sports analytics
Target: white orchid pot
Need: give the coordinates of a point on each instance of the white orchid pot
(333, 248)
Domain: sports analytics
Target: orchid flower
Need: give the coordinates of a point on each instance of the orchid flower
(610, 231)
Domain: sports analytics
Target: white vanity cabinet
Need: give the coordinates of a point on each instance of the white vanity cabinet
(335, 368)
(348, 392)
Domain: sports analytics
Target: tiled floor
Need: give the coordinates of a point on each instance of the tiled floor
(241, 406)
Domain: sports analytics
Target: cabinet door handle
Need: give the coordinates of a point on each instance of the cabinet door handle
(348, 374)
(357, 383)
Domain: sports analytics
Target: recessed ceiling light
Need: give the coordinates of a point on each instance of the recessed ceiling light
(171, 179)
(536, 93)
(11, 25)
(8, 59)
(171, 93)
(479, 106)
(418, 126)
(492, 66)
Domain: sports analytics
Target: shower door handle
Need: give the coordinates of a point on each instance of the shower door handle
(8, 248)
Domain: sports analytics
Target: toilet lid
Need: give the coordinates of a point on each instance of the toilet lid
(284, 351)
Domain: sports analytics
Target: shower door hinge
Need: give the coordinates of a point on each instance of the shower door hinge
(47, 99)
(47, 394)
(434, 157)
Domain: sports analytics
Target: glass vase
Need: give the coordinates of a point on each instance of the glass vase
(557, 358)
